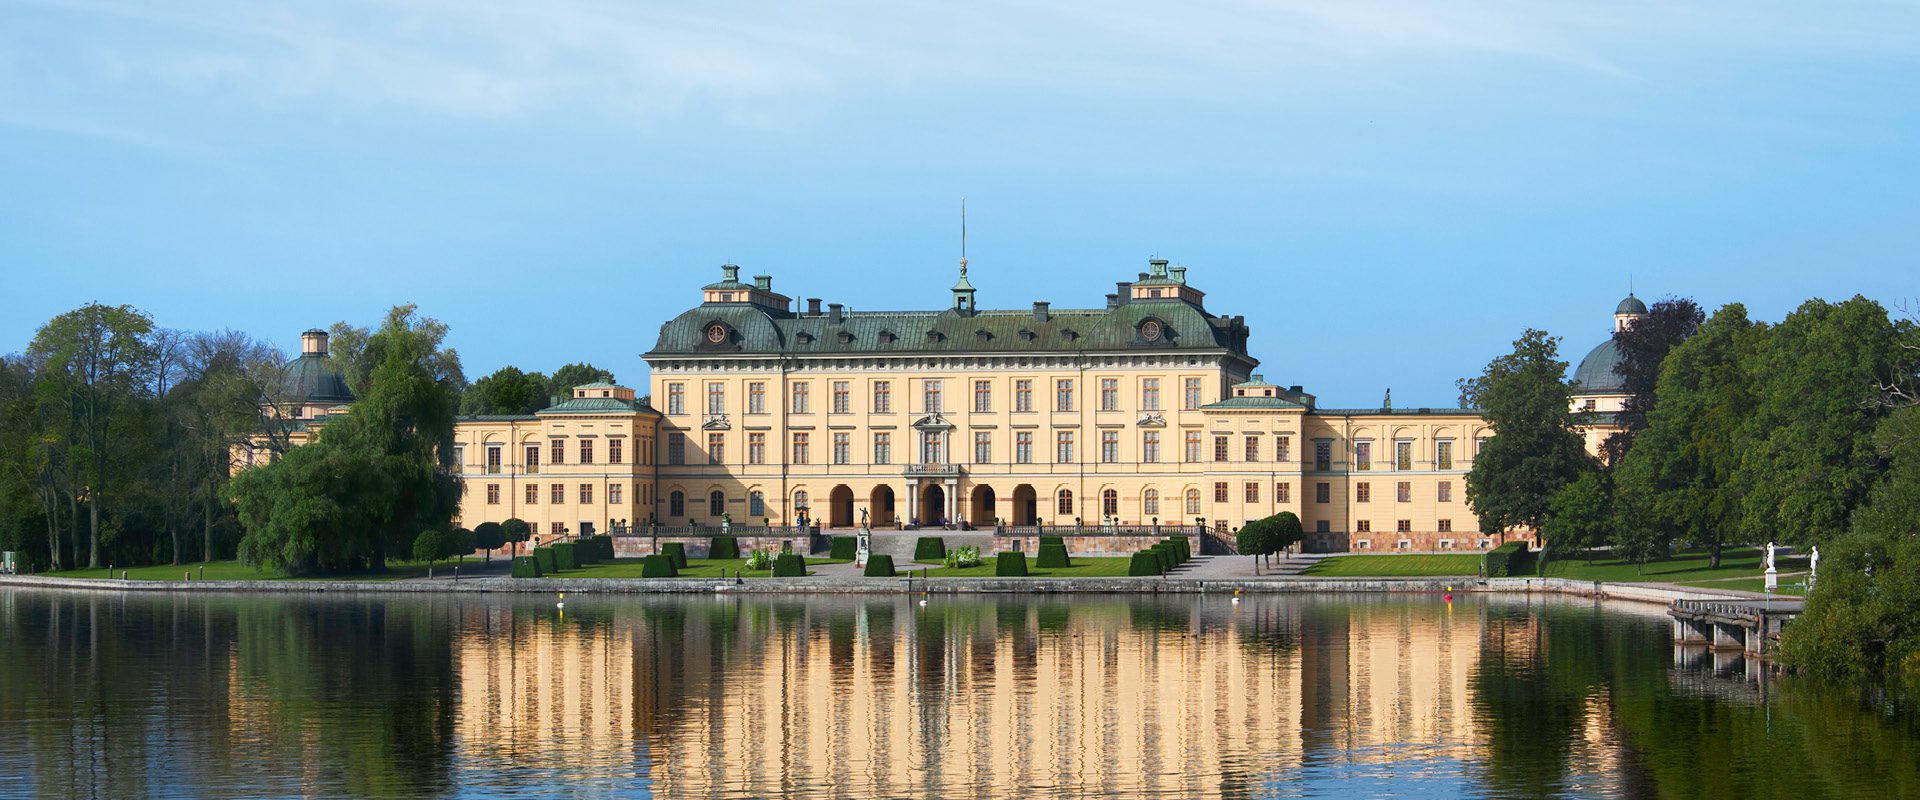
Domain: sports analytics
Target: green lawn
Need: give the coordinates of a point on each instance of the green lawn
(1083, 567)
(1793, 585)
(1396, 566)
(1683, 567)
(236, 571)
(696, 568)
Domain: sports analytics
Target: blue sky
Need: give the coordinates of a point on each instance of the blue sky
(1388, 191)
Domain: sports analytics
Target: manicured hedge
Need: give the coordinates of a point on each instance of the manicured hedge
(545, 557)
(844, 547)
(1165, 552)
(526, 567)
(659, 565)
(723, 547)
(564, 557)
(1010, 565)
(1509, 560)
(586, 551)
(1185, 545)
(879, 565)
(929, 548)
(1051, 539)
(677, 551)
(789, 565)
(604, 545)
(1052, 555)
(1145, 562)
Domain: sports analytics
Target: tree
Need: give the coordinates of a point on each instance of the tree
(433, 544)
(1580, 515)
(356, 352)
(516, 531)
(1269, 535)
(489, 536)
(1534, 450)
(463, 543)
(506, 391)
(1643, 346)
(566, 378)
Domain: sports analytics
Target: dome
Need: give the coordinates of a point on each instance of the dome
(1596, 375)
(1631, 305)
(310, 379)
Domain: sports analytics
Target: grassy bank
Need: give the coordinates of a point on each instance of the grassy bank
(1083, 567)
(696, 568)
(236, 571)
(1396, 566)
(1740, 568)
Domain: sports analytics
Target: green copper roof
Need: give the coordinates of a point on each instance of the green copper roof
(596, 405)
(312, 379)
(1232, 403)
(1596, 372)
(1395, 412)
(1631, 305)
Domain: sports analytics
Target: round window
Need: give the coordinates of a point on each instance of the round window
(1151, 330)
(716, 333)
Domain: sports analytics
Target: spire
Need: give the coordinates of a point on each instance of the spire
(963, 290)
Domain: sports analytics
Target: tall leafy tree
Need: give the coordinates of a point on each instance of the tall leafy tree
(355, 350)
(1580, 515)
(506, 391)
(1643, 346)
(571, 375)
(1534, 450)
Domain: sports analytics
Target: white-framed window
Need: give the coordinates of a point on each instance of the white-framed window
(982, 447)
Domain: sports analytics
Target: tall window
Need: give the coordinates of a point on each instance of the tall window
(1149, 394)
(930, 394)
(1109, 394)
(800, 399)
(1362, 492)
(1150, 447)
(757, 397)
(799, 448)
(614, 492)
(1283, 448)
(586, 451)
(1403, 492)
(932, 450)
(716, 448)
(716, 503)
(1193, 446)
(1283, 492)
(842, 398)
(1322, 493)
(557, 529)
(1150, 502)
(1065, 503)
(1190, 394)
(883, 397)
(557, 493)
(557, 452)
(1219, 448)
(1109, 503)
(533, 459)
(799, 503)
(459, 457)
(493, 460)
(1403, 455)
(1023, 395)
(616, 451)
(883, 448)
(1253, 492)
(1253, 447)
(676, 398)
(1445, 492)
(1220, 491)
(756, 504)
(533, 494)
(677, 504)
(1023, 447)
(842, 447)
(1063, 443)
(493, 494)
(586, 494)
(1322, 455)
(982, 397)
(716, 398)
(1443, 454)
(756, 448)
(982, 447)
(1363, 455)
(1193, 501)
(1063, 394)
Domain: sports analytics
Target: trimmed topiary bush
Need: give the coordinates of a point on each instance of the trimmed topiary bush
(1185, 545)
(586, 551)
(526, 567)
(564, 557)
(545, 557)
(1508, 560)
(879, 565)
(1145, 562)
(723, 547)
(789, 565)
(1010, 565)
(844, 547)
(605, 544)
(930, 548)
(1165, 552)
(677, 551)
(659, 565)
(1052, 556)
(1051, 539)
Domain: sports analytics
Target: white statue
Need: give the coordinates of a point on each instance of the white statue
(1769, 556)
(1813, 565)
(1773, 576)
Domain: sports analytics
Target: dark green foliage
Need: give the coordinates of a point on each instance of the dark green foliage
(1145, 562)
(1052, 539)
(516, 531)
(566, 378)
(433, 544)
(526, 567)
(603, 544)
(489, 536)
(723, 547)
(844, 547)
(1509, 560)
(879, 565)
(545, 556)
(1268, 535)
(565, 556)
(1643, 347)
(1012, 564)
(677, 550)
(1581, 515)
(1186, 546)
(1535, 449)
(929, 548)
(507, 391)
(659, 565)
(586, 551)
(1052, 555)
(1160, 551)
(789, 565)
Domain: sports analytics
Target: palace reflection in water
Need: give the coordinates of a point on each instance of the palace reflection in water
(870, 697)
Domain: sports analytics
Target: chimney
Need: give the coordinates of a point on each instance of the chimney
(1124, 289)
(1296, 389)
(835, 312)
(763, 282)
(313, 343)
(1143, 276)
(731, 271)
(1179, 275)
(1041, 312)
(1113, 301)
(813, 306)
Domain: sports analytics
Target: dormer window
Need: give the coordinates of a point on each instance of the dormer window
(726, 297)
(1027, 334)
(1070, 333)
(1153, 292)
(845, 337)
(887, 337)
(983, 334)
(804, 338)
(606, 394)
(935, 336)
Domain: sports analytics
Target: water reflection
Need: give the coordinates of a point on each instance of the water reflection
(210, 696)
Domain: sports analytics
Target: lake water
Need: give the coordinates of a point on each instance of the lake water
(103, 695)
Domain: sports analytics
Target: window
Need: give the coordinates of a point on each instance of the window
(882, 397)
(1253, 447)
(799, 503)
(1150, 447)
(982, 397)
(493, 461)
(1320, 526)
(1219, 448)
(1109, 447)
(932, 448)
(1065, 503)
(1283, 448)
(1193, 446)
(1403, 455)
(459, 456)
(930, 395)
(1190, 394)
(586, 494)
(982, 447)
(614, 491)
(842, 447)
(1443, 454)
(533, 459)
(1322, 455)
(676, 398)
(557, 452)
(1109, 503)
(1063, 444)
(1193, 501)
(716, 398)
(557, 493)
(586, 451)
(716, 448)
(1220, 491)
(1023, 395)
(1362, 492)
(1063, 394)
(1404, 526)
(1283, 492)
(1023, 447)
(493, 494)
(1589, 405)
(615, 454)
(1322, 492)
(1363, 526)
(558, 529)
(677, 504)
(533, 494)
(1150, 503)
(883, 448)
(1109, 394)
(799, 448)
(1253, 492)
(1445, 491)
(1445, 525)
(756, 448)
(716, 503)
(756, 504)
(756, 398)
(842, 398)
(1149, 394)
(1363, 455)
(800, 396)
(1403, 492)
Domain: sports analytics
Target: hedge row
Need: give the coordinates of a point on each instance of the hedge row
(930, 548)
(1145, 562)
(879, 565)
(789, 565)
(1508, 560)
(1053, 555)
(659, 565)
(563, 556)
(1162, 557)
(544, 555)
(677, 551)
(1011, 564)
(526, 567)
(723, 547)
(844, 547)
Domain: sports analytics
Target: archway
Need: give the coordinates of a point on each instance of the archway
(982, 512)
(840, 507)
(1025, 505)
(933, 504)
(880, 503)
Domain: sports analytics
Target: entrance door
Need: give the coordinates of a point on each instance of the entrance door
(981, 515)
(840, 507)
(1026, 505)
(933, 504)
(881, 503)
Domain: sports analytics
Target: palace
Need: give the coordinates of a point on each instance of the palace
(1145, 411)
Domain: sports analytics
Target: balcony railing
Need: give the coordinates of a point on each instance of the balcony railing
(933, 470)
